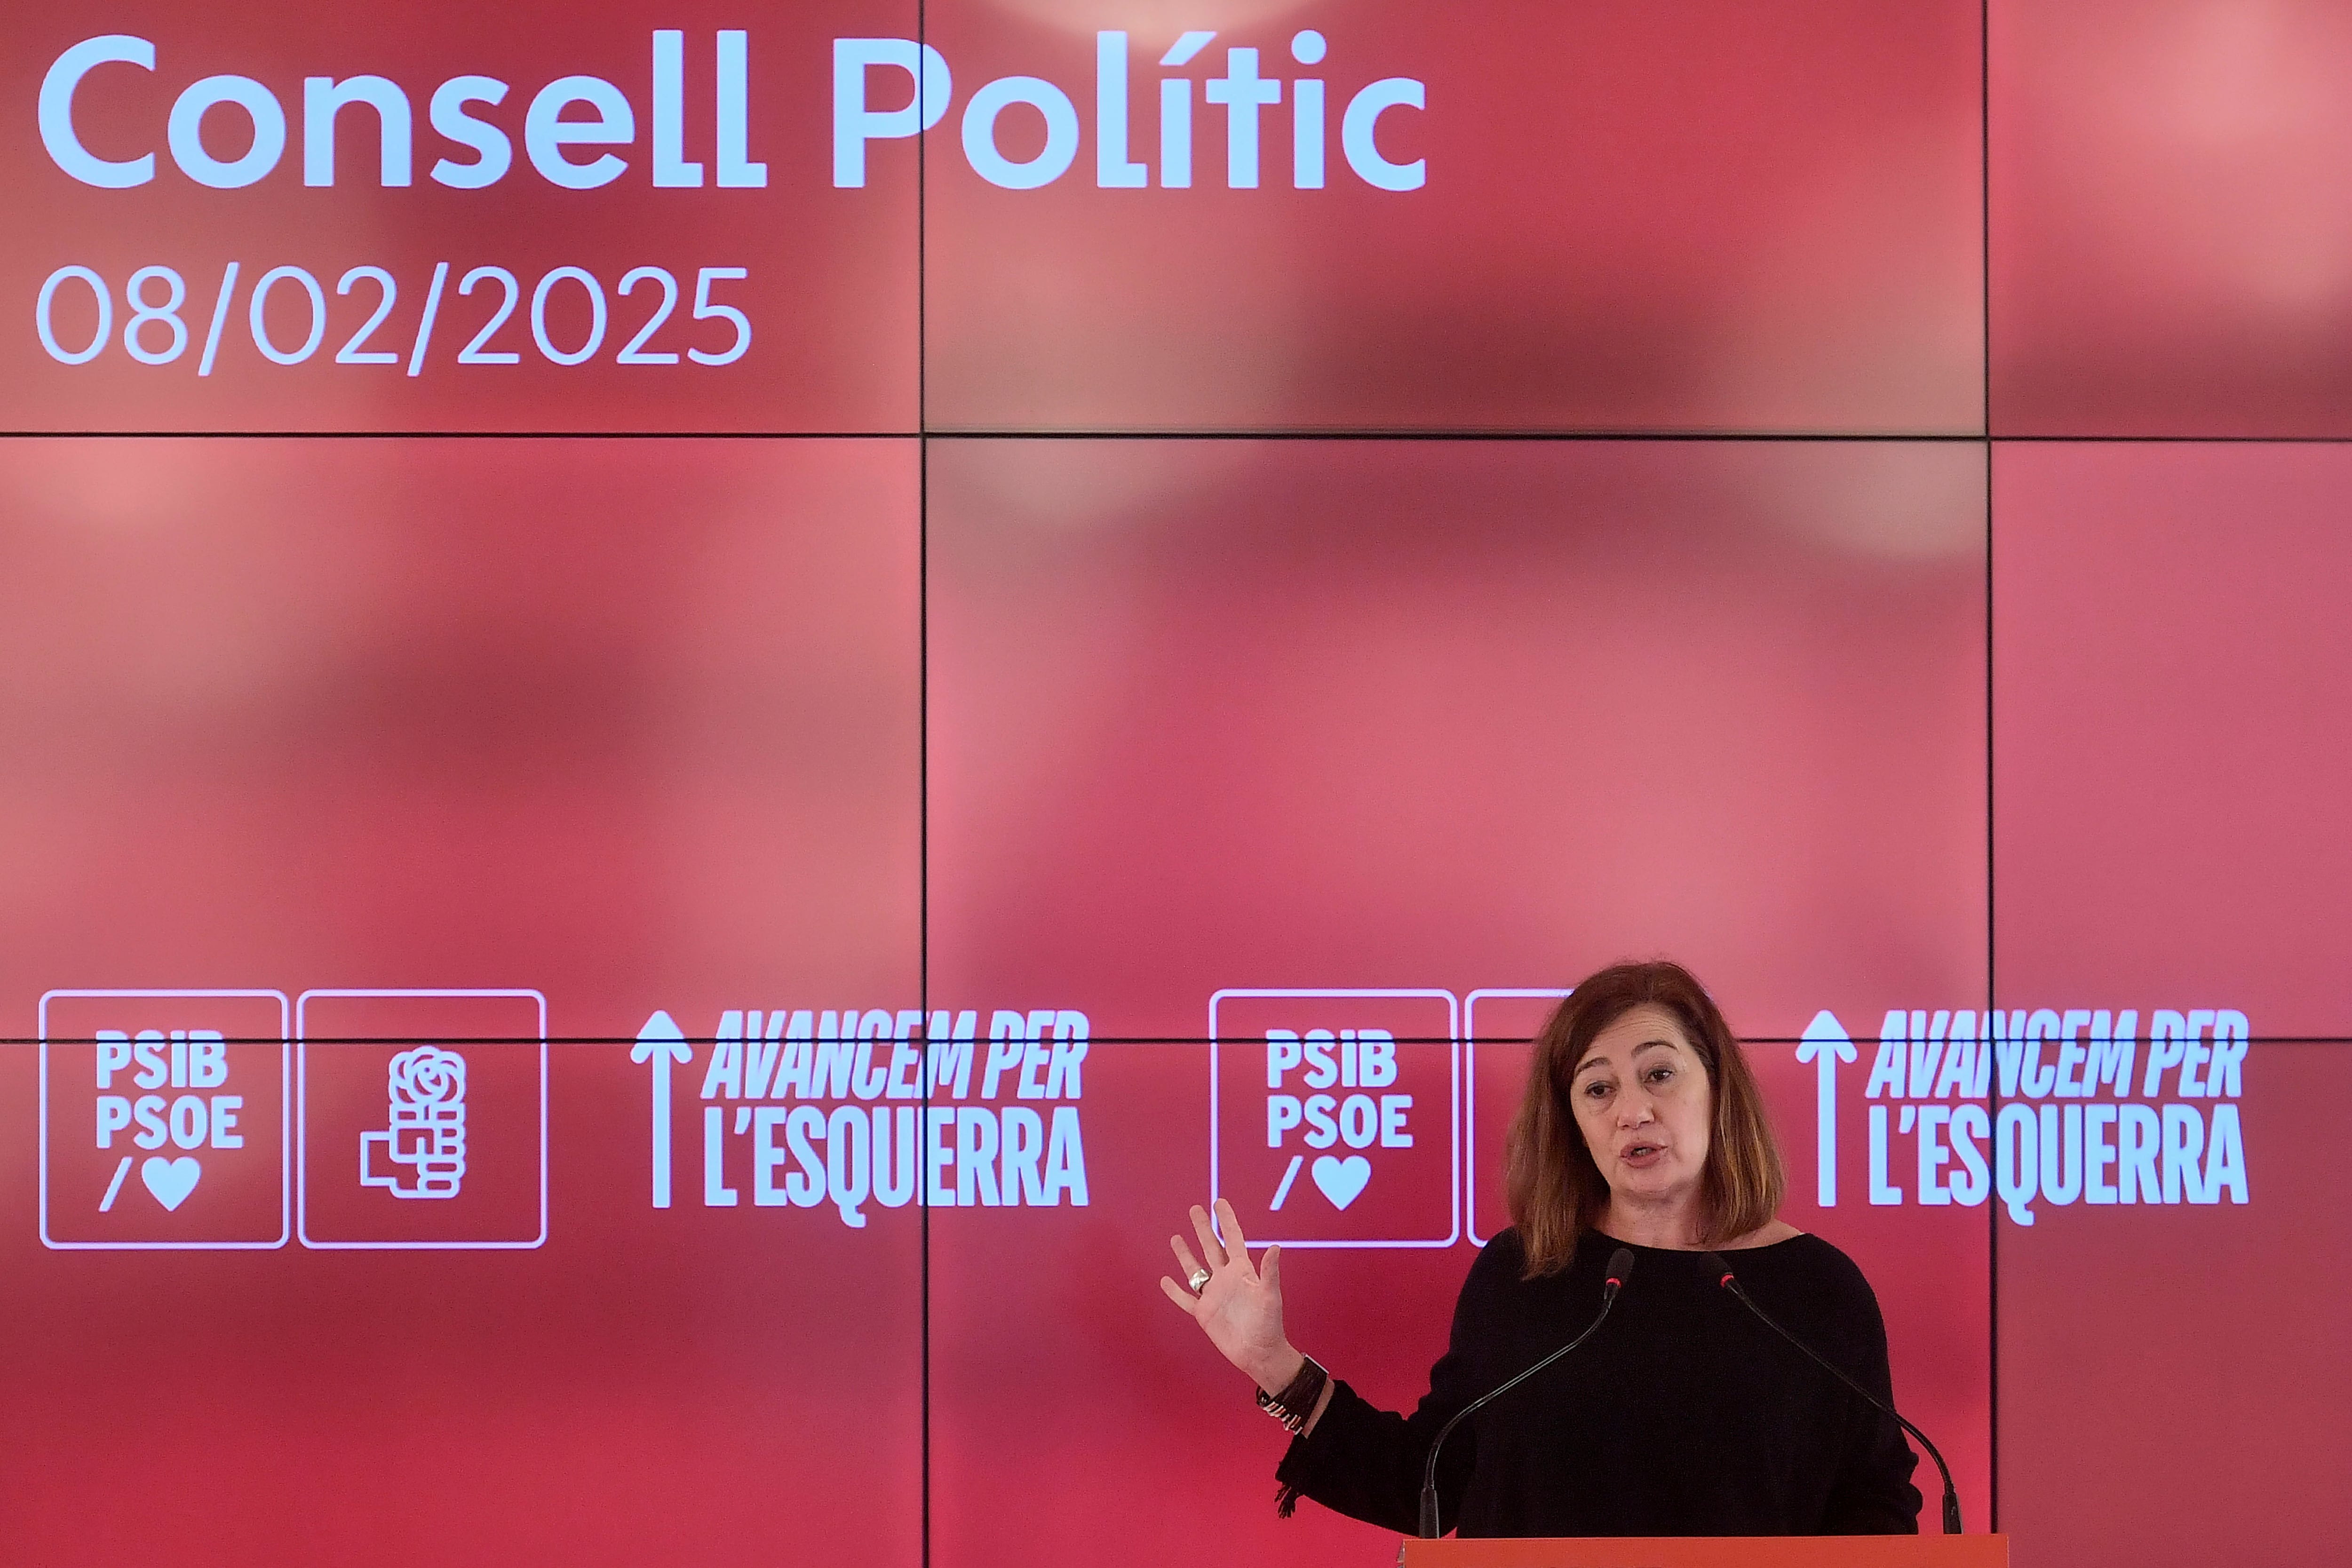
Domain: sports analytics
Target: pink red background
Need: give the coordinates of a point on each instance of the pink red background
(2167, 257)
(1029, 658)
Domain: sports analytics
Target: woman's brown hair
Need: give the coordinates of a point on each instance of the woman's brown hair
(1557, 1192)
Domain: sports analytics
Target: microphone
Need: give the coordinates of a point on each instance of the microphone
(1730, 1283)
(1620, 1266)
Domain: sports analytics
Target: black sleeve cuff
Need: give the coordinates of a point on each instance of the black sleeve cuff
(1330, 1465)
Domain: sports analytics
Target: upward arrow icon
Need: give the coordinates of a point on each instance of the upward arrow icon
(661, 1042)
(1825, 1042)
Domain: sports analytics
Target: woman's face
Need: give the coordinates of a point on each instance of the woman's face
(1643, 1100)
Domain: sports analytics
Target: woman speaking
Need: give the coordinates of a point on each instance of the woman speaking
(1685, 1414)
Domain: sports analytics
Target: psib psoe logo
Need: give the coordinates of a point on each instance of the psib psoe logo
(2038, 1106)
(1333, 1115)
(165, 1120)
(237, 1119)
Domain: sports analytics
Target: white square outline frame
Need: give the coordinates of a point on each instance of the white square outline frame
(1453, 1117)
(301, 1131)
(1470, 1091)
(285, 1121)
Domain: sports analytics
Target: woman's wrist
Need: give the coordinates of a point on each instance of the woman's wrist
(1300, 1400)
(1322, 1403)
(1273, 1371)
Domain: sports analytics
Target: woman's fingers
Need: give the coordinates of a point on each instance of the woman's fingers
(1236, 1243)
(1211, 1249)
(1269, 1269)
(1231, 1252)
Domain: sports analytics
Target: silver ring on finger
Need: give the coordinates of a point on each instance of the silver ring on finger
(1198, 1278)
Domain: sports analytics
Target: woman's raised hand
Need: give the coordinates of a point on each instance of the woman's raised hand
(1239, 1306)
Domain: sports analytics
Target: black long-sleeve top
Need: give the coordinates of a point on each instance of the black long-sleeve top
(1683, 1416)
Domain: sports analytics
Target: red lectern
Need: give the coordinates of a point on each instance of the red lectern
(1717, 1551)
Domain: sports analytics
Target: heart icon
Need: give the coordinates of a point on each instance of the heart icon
(1342, 1180)
(173, 1180)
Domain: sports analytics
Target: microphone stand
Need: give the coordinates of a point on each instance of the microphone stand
(1730, 1283)
(1619, 1264)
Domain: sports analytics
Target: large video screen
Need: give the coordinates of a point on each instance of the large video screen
(704, 705)
(382, 815)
